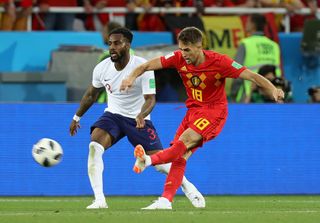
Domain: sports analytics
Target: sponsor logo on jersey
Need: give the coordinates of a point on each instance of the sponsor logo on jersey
(183, 68)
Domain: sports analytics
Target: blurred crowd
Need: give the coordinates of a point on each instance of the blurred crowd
(16, 13)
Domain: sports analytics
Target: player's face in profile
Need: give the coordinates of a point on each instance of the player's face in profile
(118, 47)
(190, 52)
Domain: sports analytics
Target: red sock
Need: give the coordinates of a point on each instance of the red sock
(170, 154)
(174, 178)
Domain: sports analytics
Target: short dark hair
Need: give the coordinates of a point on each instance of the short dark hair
(190, 35)
(313, 90)
(112, 25)
(265, 69)
(124, 31)
(259, 21)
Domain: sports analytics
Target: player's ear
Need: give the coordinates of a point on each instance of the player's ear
(128, 44)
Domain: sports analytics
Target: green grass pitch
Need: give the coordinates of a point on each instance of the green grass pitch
(220, 209)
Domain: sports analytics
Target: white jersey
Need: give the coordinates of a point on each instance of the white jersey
(128, 103)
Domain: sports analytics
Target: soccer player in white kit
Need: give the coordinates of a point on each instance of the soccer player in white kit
(127, 114)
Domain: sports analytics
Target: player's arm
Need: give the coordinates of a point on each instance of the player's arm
(273, 92)
(153, 64)
(150, 101)
(89, 97)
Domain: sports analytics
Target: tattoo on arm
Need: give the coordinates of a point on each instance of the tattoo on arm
(89, 97)
(150, 101)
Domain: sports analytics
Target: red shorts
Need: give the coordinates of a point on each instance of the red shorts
(208, 122)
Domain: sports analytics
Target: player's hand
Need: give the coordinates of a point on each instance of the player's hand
(140, 122)
(74, 126)
(126, 84)
(278, 95)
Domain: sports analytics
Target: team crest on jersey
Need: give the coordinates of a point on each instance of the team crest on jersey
(196, 81)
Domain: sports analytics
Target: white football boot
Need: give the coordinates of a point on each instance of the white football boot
(140, 156)
(97, 204)
(194, 196)
(161, 204)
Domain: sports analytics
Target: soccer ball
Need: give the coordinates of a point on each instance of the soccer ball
(47, 152)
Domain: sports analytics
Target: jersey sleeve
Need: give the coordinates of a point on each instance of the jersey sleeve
(170, 60)
(230, 68)
(148, 83)
(96, 81)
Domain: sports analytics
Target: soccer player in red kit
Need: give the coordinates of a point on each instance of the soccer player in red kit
(203, 73)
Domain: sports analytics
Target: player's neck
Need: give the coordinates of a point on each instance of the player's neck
(201, 58)
(122, 63)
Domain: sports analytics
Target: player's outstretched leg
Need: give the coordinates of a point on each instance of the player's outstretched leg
(173, 182)
(142, 159)
(191, 192)
(164, 156)
(170, 154)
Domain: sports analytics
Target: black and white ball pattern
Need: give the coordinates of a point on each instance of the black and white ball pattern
(47, 152)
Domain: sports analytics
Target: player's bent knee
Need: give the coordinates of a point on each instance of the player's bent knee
(93, 145)
(190, 138)
(101, 137)
(191, 142)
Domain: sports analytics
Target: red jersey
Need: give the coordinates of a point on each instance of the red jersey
(205, 83)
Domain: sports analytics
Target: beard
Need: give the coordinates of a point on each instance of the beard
(116, 57)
